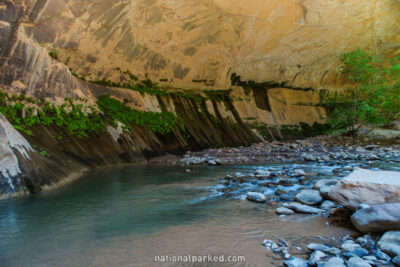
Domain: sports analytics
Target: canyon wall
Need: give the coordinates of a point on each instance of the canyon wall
(273, 56)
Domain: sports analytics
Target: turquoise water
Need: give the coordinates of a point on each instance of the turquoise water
(125, 216)
(106, 204)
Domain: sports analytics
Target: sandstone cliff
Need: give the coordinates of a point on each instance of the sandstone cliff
(273, 54)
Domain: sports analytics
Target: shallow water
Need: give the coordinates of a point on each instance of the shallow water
(127, 216)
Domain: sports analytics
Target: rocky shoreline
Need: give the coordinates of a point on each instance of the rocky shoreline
(356, 193)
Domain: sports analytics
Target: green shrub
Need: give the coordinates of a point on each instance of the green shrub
(158, 122)
(24, 112)
(375, 100)
(53, 54)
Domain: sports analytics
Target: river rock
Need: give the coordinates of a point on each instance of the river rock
(334, 262)
(357, 262)
(359, 252)
(368, 187)
(300, 208)
(309, 197)
(298, 172)
(325, 182)
(349, 245)
(390, 243)
(382, 256)
(285, 211)
(256, 197)
(327, 205)
(295, 262)
(378, 218)
(316, 258)
(396, 260)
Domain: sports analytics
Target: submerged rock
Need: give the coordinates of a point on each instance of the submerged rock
(256, 197)
(367, 187)
(378, 218)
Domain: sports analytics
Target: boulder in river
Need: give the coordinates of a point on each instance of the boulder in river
(377, 218)
(256, 197)
(309, 197)
(368, 187)
(390, 243)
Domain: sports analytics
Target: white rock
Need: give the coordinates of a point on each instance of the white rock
(256, 197)
(368, 187)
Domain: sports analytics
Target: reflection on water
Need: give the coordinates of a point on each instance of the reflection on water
(125, 217)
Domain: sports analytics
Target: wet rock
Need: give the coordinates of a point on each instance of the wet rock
(378, 218)
(256, 197)
(396, 260)
(314, 246)
(295, 262)
(193, 160)
(300, 208)
(382, 256)
(368, 187)
(309, 197)
(325, 182)
(349, 245)
(316, 258)
(298, 172)
(309, 157)
(285, 211)
(357, 262)
(363, 206)
(334, 262)
(327, 205)
(359, 252)
(323, 248)
(390, 243)
(324, 186)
